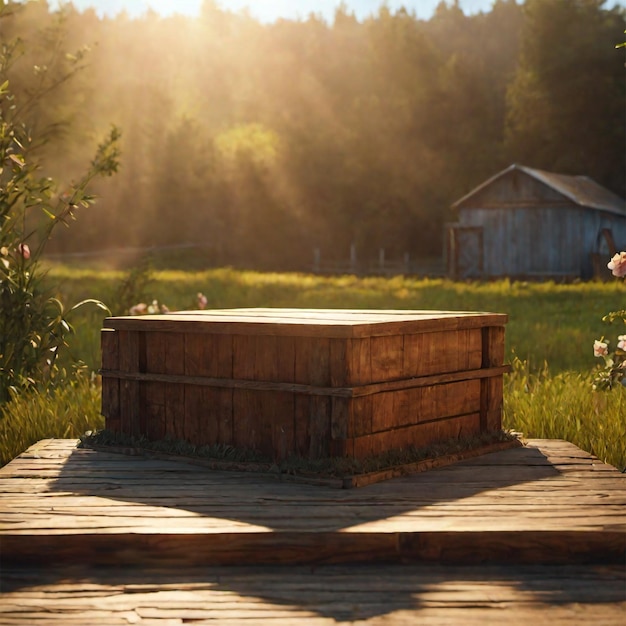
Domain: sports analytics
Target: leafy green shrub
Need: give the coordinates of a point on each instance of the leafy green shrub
(33, 324)
(614, 371)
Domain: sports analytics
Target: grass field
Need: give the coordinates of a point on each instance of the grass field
(549, 336)
(548, 323)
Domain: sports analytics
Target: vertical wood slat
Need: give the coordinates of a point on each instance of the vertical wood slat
(284, 422)
(264, 421)
(440, 352)
(110, 386)
(246, 408)
(222, 399)
(350, 366)
(212, 356)
(154, 393)
(175, 392)
(313, 413)
(387, 358)
(492, 388)
(129, 361)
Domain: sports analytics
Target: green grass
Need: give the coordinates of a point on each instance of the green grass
(563, 406)
(551, 330)
(67, 413)
(548, 323)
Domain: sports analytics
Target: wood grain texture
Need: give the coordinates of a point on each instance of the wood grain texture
(309, 322)
(548, 503)
(129, 359)
(370, 595)
(109, 341)
(214, 379)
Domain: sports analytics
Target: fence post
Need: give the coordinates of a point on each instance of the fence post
(316, 260)
(352, 258)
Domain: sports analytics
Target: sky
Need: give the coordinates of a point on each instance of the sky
(270, 10)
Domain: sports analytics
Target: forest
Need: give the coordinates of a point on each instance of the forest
(263, 142)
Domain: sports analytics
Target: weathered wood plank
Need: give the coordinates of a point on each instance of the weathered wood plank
(372, 595)
(85, 503)
(129, 361)
(312, 322)
(110, 386)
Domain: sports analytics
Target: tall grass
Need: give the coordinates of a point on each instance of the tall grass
(549, 339)
(67, 412)
(562, 406)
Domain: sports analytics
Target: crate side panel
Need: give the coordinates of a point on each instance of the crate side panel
(457, 398)
(154, 408)
(155, 352)
(110, 385)
(387, 358)
(393, 409)
(312, 361)
(319, 426)
(492, 390)
(129, 362)
(493, 346)
(417, 435)
(360, 362)
(175, 392)
(280, 415)
(439, 352)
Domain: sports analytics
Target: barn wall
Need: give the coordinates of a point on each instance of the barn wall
(529, 241)
(595, 221)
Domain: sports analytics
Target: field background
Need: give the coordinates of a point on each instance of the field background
(549, 341)
(549, 323)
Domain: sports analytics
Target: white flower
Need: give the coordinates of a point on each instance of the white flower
(617, 264)
(600, 348)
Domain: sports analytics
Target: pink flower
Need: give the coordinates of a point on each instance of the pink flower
(202, 301)
(24, 250)
(600, 348)
(139, 309)
(617, 265)
(621, 342)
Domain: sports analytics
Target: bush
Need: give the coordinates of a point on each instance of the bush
(33, 324)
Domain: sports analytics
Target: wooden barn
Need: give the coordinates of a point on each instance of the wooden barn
(530, 224)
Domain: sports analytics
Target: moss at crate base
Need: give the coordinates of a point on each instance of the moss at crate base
(343, 472)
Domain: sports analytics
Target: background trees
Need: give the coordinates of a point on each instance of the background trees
(266, 141)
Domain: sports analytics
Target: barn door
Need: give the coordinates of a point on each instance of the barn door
(466, 247)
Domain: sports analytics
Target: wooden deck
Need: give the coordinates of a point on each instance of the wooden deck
(534, 533)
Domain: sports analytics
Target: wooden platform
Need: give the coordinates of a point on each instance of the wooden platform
(535, 533)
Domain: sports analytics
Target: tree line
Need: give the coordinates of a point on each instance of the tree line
(261, 142)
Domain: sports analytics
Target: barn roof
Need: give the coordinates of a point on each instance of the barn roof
(581, 190)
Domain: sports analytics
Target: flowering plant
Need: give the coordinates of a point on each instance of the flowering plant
(614, 370)
(142, 308)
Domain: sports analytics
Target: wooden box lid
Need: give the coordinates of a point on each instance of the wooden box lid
(337, 323)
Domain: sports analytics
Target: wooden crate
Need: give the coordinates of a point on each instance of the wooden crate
(305, 382)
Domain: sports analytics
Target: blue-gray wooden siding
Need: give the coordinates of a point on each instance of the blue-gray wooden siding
(530, 229)
(541, 240)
